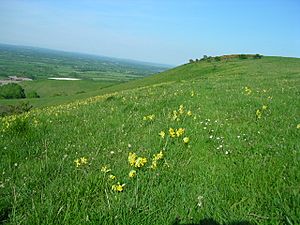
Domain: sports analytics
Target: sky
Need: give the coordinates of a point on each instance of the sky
(161, 31)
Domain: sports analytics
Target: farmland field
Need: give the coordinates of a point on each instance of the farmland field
(95, 72)
(213, 142)
(38, 63)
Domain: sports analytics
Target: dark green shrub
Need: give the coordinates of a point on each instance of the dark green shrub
(10, 91)
(257, 56)
(209, 59)
(80, 92)
(243, 56)
(218, 58)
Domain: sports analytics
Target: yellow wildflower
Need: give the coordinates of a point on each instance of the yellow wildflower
(118, 187)
(77, 162)
(186, 140)
(162, 134)
(154, 164)
(80, 162)
(264, 107)
(181, 109)
(180, 131)
(298, 126)
(105, 169)
(158, 156)
(175, 117)
(132, 158)
(172, 132)
(189, 113)
(132, 173)
(140, 162)
(83, 160)
(192, 93)
(258, 114)
(248, 90)
(112, 177)
(151, 117)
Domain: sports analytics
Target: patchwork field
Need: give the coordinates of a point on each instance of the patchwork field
(38, 63)
(203, 143)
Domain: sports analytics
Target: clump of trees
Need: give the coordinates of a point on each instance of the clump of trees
(10, 91)
(226, 57)
(15, 91)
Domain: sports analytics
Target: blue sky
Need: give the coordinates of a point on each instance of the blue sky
(162, 31)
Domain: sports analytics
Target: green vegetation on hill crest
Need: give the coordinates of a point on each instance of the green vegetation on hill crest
(207, 141)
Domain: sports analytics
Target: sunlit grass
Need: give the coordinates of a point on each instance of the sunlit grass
(181, 151)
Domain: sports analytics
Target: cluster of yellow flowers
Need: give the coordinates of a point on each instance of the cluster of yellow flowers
(149, 117)
(175, 133)
(155, 159)
(117, 186)
(136, 161)
(176, 114)
(81, 161)
(105, 169)
(132, 173)
(8, 121)
(162, 134)
(248, 91)
(260, 111)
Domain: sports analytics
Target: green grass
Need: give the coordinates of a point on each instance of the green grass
(236, 167)
(53, 88)
(54, 92)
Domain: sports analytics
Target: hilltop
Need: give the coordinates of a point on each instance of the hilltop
(208, 141)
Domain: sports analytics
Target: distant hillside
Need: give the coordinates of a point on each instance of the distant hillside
(37, 63)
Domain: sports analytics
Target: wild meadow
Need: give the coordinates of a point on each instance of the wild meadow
(204, 141)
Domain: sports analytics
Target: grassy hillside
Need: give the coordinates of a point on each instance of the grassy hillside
(200, 70)
(210, 142)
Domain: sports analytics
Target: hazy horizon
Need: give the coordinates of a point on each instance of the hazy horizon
(163, 32)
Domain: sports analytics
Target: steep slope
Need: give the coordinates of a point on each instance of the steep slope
(202, 142)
